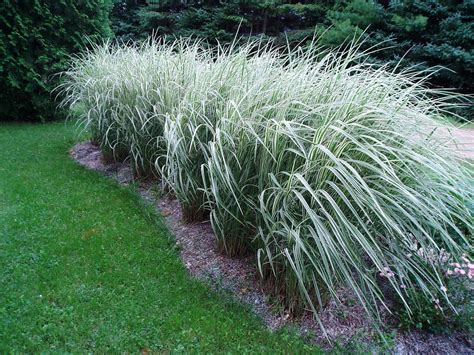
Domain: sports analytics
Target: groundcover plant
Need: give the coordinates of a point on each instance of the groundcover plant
(333, 172)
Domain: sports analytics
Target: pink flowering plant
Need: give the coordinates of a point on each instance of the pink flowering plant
(464, 269)
(452, 309)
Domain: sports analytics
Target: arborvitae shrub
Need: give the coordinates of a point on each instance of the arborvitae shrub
(36, 39)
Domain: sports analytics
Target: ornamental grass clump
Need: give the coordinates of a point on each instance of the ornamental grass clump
(329, 169)
(127, 92)
(189, 132)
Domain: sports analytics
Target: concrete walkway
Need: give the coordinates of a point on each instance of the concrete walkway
(464, 138)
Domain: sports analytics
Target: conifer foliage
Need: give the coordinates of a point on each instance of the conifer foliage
(36, 39)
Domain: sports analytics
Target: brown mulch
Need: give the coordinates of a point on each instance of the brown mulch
(240, 276)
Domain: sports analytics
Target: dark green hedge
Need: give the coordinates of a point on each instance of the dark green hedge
(434, 32)
(36, 39)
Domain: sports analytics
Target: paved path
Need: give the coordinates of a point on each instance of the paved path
(464, 138)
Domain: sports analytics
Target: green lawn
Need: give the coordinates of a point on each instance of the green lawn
(85, 266)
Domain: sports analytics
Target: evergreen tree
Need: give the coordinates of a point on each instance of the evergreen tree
(36, 39)
(433, 32)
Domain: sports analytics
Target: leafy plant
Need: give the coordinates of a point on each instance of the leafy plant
(437, 315)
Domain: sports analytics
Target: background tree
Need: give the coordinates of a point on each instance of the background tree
(36, 39)
(433, 32)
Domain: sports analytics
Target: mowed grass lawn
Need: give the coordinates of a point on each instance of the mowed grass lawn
(86, 266)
